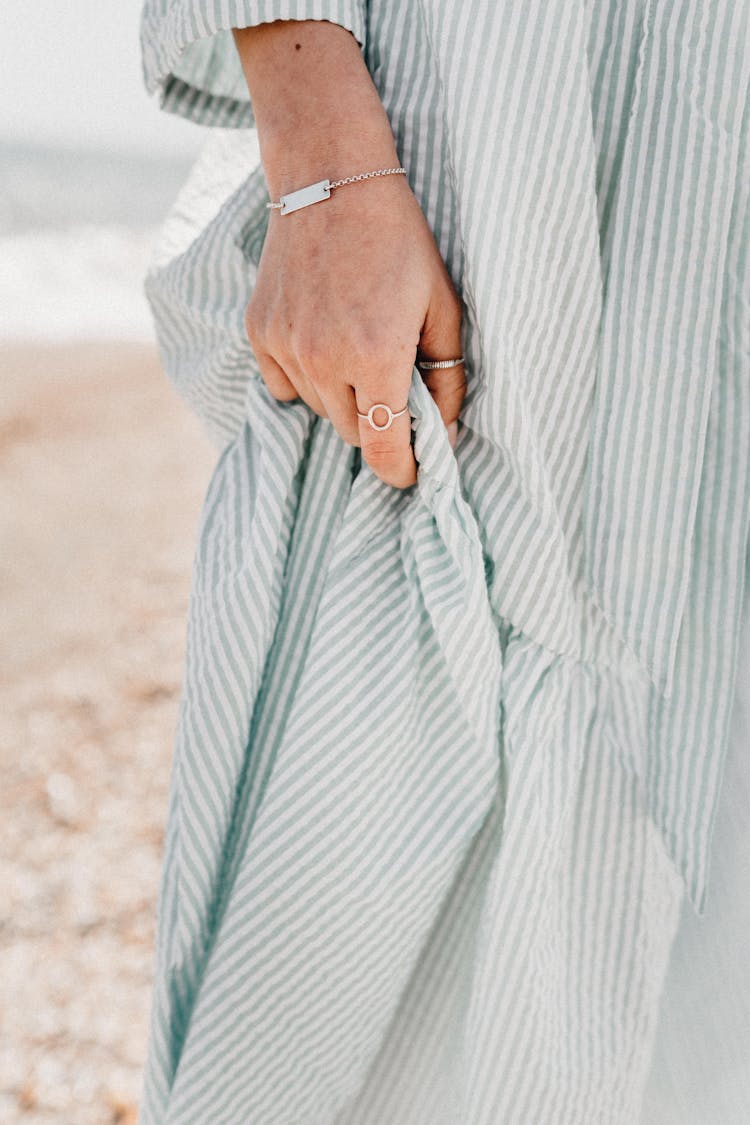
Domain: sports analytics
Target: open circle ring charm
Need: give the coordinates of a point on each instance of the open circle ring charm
(370, 415)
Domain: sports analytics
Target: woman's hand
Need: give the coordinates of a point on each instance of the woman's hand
(346, 292)
(350, 290)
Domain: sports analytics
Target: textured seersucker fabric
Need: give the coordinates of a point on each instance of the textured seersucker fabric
(556, 600)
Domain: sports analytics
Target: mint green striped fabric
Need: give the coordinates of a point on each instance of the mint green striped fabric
(447, 758)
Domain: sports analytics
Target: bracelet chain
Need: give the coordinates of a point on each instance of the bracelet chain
(367, 176)
(354, 179)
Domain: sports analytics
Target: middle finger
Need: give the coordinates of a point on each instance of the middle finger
(388, 452)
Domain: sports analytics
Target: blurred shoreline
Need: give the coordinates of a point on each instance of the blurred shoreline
(76, 231)
(102, 476)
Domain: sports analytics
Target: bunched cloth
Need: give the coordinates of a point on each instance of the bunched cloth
(448, 757)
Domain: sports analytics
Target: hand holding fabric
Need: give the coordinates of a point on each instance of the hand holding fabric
(350, 290)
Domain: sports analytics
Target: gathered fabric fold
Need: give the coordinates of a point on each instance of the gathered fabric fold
(353, 717)
(333, 686)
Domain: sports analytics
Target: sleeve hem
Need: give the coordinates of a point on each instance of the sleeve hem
(189, 56)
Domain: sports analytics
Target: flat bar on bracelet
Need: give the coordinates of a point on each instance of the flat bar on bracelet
(313, 193)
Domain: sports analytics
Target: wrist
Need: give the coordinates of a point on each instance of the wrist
(316, 108)
(293, 162)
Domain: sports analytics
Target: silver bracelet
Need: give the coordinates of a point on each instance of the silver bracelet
(314, 193)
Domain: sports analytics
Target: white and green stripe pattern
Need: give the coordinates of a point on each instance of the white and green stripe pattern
(447, 757)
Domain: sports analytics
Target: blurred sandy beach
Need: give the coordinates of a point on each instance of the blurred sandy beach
(102, 476)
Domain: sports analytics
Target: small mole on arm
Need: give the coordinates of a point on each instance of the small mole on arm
(297, 46)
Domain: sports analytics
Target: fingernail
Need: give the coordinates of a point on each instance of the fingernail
(452, 429)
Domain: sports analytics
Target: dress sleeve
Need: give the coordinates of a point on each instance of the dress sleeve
(189, 56)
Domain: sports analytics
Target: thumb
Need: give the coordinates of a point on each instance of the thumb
(441, 339)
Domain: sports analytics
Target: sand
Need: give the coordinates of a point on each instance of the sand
(102, 476)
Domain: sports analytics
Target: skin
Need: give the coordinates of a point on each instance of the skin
(350, 291)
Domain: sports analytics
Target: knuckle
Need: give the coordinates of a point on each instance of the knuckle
(380, 454)
(454, 311)
(314, 360)
(373, 349)
(450, 305)
(311, 352)
(253, 326)
(273, 339)
(279, 386)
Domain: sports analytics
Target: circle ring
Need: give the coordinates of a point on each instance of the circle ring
(370, 415)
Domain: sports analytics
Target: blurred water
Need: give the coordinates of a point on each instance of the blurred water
(76, 232)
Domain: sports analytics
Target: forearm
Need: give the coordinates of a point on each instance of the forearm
(317, 111)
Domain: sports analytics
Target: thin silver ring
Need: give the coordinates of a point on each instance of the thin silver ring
(370, 415)
(438, 364)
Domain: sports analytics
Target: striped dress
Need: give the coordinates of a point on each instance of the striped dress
(448, 758)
